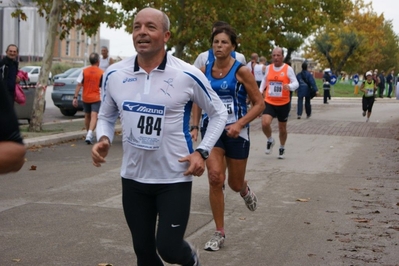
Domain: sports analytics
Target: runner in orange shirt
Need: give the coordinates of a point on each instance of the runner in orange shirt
(90, 80)
(279, 80)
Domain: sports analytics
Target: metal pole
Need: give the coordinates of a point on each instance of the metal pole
(18, 36)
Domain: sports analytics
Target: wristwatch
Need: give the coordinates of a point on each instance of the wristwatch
(193, 127)
(204, 153)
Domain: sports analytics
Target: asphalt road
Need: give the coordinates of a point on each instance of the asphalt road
(332, 201)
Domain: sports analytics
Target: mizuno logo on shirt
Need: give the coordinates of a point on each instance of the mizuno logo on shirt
(143, 108)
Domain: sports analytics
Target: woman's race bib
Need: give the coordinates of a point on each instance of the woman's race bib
(229, 104)
(369, 92)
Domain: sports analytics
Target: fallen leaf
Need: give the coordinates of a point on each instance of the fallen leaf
(311, 255)
(33, 167)
(16, 260)
(303, 200)
(242, 218)
(72, 145)
(361, 220)
(104, 264)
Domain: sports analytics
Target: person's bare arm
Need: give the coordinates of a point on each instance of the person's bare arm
(75, 98)
(196, 117)
(245, 77)
(12, 156)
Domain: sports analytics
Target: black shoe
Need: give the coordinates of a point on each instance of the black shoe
(281, 153)
(299, 117)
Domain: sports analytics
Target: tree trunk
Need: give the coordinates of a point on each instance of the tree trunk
(40, 94)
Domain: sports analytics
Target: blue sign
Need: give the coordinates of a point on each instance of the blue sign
(333, 80)
(356, 79)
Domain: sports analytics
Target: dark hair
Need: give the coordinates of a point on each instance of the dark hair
(219, 24)
(12, 45)
(229, 31)
(304, 66)
(94, 58)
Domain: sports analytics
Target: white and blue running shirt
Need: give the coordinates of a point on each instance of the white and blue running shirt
(155, 110)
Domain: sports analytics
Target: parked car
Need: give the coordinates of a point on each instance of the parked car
(24, 112)
(63, 93)
(33, 74)
(65, 74)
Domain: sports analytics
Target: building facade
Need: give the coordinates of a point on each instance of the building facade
(30, 36)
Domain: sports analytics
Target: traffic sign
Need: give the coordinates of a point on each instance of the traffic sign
(356, 79)
(333, 80)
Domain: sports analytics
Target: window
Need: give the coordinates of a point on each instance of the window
(78, 49)
(67, 48)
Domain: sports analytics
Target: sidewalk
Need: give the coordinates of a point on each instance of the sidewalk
(57, 132)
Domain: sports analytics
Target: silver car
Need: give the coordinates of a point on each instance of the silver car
(63, 93)
(65, 74)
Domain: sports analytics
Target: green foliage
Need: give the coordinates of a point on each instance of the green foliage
(260, 25)
(363, 41)
(84, 14)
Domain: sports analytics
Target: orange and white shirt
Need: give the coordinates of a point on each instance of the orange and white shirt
(91, 81)
(273, 82)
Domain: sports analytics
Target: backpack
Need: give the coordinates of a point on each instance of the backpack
(312, 91)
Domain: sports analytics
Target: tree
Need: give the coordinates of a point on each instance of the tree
(62, 16)
(260, 25)
(40, 92)
(357, 44)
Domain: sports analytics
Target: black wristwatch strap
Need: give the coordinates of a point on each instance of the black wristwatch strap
(204, 153)
(193, 127)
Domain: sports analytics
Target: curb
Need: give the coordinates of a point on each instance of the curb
(57, 138)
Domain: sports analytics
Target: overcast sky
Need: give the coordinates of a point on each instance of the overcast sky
(121, 42)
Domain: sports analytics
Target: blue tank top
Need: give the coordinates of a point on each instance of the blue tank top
(230, 91)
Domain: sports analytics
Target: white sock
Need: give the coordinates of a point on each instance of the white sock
(270, 139)
(90, 133)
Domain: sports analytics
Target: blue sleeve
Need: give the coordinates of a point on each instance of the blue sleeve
(312, 82)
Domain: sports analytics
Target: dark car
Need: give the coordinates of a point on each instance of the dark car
(65, 74)
(63, 93)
